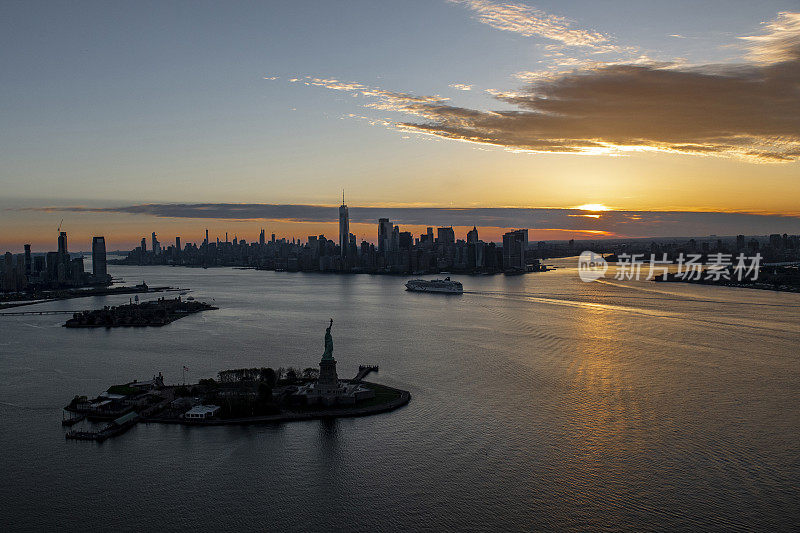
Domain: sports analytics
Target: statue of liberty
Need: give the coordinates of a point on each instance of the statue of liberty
(328, 355)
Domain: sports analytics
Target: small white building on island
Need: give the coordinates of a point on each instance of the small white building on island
(201, 412)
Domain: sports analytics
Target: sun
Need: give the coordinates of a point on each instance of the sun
(593, 207)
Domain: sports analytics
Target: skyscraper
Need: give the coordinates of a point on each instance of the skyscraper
(156, 244)
(395, 242)
(261, 238)
(515, 244)
(472, 235)
(446, 235)
(344, 228)
(27, 259)
(62, 243)
(99, 258)
(384, 235)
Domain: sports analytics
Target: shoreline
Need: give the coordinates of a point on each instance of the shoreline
(85, 293)
(296, 416)
(755, 285)
(487, 272)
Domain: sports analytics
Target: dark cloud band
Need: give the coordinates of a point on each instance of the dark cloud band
(624, 223)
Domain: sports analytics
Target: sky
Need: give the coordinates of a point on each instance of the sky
(123, 118)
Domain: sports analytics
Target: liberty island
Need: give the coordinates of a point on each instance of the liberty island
(237, 397)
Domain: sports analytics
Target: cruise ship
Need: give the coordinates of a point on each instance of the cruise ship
(436, 285)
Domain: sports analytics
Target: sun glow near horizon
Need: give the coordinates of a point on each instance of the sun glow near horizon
(593, 207)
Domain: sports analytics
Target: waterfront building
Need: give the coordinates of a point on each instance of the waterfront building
(201, 412)
(515, 245)
(99, 268)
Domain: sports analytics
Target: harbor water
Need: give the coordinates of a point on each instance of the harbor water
(539, 402)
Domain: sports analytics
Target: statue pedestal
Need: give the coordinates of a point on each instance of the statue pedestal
(328, 382)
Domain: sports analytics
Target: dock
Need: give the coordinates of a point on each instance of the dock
(363, 370)
(23, 313)
(117, 427)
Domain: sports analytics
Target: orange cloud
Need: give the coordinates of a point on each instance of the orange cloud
(749, 110)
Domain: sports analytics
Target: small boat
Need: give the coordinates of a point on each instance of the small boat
(446, 286)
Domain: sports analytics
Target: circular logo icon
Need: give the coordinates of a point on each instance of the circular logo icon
(591, 266)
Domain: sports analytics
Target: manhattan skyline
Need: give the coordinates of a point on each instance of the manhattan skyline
(182, 117)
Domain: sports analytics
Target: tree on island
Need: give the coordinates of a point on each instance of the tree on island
(269, 377)
(238, 375)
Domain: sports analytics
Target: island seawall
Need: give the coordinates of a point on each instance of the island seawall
(342, 412)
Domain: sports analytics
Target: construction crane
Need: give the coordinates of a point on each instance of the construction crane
(59, 225)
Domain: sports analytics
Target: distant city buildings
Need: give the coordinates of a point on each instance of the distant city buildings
(27, 272)
(396, 252)
(432, 252)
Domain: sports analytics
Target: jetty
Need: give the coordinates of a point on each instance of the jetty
(24, 313)
(116, 427)
(363, 370)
